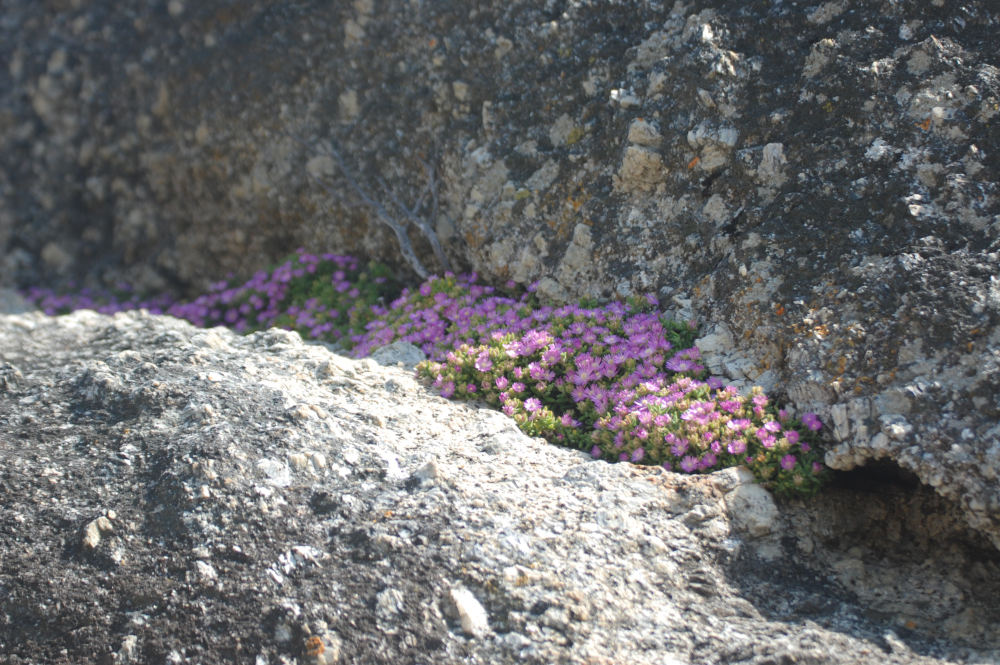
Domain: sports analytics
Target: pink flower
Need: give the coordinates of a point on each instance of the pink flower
(532, 404)
(638, 454)
(502, 383)
(689, 463)
(595, 452)
(788, 462)
(568, 421)
(793, 438)
(483, 362)
(738, 424)
(812, 421)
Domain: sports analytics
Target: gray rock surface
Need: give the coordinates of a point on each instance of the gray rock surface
(176, 495)
(815, 182)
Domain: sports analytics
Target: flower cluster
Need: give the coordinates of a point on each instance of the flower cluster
(619, 380)
(323, 297)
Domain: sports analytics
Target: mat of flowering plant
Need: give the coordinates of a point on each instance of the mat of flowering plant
(617, 379)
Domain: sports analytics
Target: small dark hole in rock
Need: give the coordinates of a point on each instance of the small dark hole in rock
(876, 476)
(880, 540)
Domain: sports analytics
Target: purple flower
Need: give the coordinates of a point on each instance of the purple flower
(448, 389)
(811, 420)
(483, 362)
(502, 382)
(568, 421)
(737, 447)
(517, 387)
(793, 437)
(532, 404)
(738, 424)
(679, 446)
(595, 452)
(772, 426)
(638, 454)
(788, 462)
(689, 463)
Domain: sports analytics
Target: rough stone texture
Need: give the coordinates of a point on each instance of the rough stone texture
(815, 182)
(176, 495)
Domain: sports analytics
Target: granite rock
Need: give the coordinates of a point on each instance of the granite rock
(816, 183)
(170, 494)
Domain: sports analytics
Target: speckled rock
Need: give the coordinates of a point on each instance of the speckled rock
(816, 183)
(169, 494)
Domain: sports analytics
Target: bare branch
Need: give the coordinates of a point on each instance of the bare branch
(381, 213)
(410, 214)
(420, 223)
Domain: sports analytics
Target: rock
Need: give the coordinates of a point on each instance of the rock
(821, 180)
(469, 612)
(431, 531)
(93, 531)
(751, 507)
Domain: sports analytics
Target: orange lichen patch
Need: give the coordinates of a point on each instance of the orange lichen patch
(821, 331)
(433, 42)
(925, 125)
(779, 309)
(694, 162)
(314, 646)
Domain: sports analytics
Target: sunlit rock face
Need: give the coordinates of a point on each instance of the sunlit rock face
(173, 494)
(814, 183)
